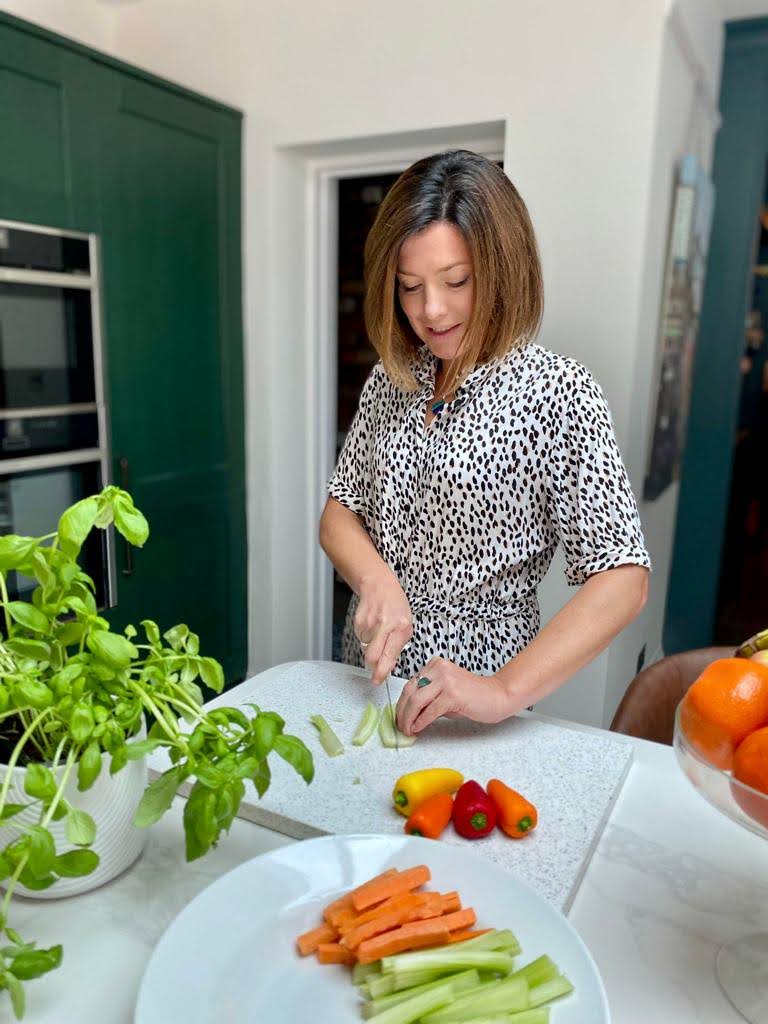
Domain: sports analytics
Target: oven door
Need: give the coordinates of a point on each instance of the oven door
(33, 497)
(46, 343)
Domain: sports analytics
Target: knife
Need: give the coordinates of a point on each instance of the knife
(394, 720)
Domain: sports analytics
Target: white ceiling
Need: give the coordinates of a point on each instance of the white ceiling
(733, 10)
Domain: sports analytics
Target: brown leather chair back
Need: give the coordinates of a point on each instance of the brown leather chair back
(648, 707)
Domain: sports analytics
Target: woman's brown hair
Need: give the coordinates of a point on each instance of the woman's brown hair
(475, 195)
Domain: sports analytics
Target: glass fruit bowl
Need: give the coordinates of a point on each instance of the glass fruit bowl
(741, 967)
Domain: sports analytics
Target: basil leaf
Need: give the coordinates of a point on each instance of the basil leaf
(293, 750)
(158, 797)
(111, 648)
(28, 616)
(76, 523)
(14, 551)
(80, 828)
(76, 863)
(30, 692)
(129, 521)
(16, 992)
(42, 851)
(262, 778)
(81, 723)
(89, 766)
(212, 674)
(39, 781)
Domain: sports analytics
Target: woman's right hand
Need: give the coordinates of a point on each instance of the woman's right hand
(383, 623)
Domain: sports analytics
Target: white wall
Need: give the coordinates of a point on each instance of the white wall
(597, 97)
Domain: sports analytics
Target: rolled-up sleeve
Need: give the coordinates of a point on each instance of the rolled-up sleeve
(590, 498)
(352, 480)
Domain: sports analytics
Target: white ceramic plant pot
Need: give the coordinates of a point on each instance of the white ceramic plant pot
(111, 802)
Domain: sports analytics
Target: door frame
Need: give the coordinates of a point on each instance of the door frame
(323, 176)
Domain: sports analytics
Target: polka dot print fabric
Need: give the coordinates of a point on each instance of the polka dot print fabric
(469, 511)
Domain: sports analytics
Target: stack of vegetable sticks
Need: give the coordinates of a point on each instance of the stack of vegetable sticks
(385, 916)
(416, 957)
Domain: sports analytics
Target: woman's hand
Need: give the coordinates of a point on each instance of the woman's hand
(383, 623)
(451, 691)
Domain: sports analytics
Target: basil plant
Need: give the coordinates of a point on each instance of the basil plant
(72, 690)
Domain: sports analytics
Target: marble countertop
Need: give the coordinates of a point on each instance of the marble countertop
(669, 882)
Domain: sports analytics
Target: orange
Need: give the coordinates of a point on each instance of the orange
(750, 766)
(728, 701)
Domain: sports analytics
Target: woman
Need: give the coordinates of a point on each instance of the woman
(473, 453)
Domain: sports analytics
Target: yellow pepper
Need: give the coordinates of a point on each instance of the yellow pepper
(415, 787)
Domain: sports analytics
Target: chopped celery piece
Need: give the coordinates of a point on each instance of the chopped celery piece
(367, 726)
(389, 734)
(559, 986)
(395, 981)
(538, 1016)
(362, 972)
(502, 939)
(329, 741)
(450, 959)
(407, 979)
(417, 1006)
(538, 971)
(384, 984)
(495, 997)
(458, 982)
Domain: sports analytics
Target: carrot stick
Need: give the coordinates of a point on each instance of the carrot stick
(380, 889)
(428, 906)
(451, 902)
(342, 917)
(334, 953)
(467, 933)
(345, 901)
(405, 900)
(309, 941)
(394, 942)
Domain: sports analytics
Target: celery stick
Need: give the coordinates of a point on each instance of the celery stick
(416, 1007)
(538, 971)
(537, 1015)
(367, 726)
(384, 984)
(396, 982)
(389, 734)
(329, 741)
(496, 997)
(407, 979)
(362, 972)
(550, 990)
(450, 958)
(459, 983)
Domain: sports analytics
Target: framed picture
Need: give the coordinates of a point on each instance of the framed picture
(680, 311)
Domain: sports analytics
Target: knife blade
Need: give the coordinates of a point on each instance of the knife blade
(394, 720)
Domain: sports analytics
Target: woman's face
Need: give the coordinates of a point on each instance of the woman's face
(436, 287)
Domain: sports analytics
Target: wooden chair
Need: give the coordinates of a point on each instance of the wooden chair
(647, 709)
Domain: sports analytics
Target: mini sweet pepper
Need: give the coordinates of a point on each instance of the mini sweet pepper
(474, 813)
(431, 817)
(517, 816)
(414, 788)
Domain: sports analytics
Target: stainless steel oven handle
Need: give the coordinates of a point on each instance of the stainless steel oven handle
(125, 480)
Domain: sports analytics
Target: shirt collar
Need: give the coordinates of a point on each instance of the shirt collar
(425, 366)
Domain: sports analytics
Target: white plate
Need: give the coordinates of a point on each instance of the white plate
(230, 955)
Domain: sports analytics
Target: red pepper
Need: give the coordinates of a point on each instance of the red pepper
(474, 813)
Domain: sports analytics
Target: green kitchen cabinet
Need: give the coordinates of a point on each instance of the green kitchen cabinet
(93, 145)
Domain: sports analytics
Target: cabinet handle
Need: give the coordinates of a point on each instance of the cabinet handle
(125, 484)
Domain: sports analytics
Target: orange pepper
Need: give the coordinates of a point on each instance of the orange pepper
(430, 817)
(517, 816)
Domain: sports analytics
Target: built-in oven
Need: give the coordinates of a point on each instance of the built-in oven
(54, 446)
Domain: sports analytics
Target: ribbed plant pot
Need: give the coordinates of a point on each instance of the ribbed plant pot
(111, 802)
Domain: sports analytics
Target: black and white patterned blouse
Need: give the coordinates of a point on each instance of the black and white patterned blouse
(468, 512)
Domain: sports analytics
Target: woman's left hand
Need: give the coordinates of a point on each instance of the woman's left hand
(451, 691)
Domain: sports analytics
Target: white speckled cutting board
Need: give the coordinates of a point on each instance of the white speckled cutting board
(572, 776)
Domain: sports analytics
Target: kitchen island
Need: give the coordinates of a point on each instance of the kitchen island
(670, 880)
